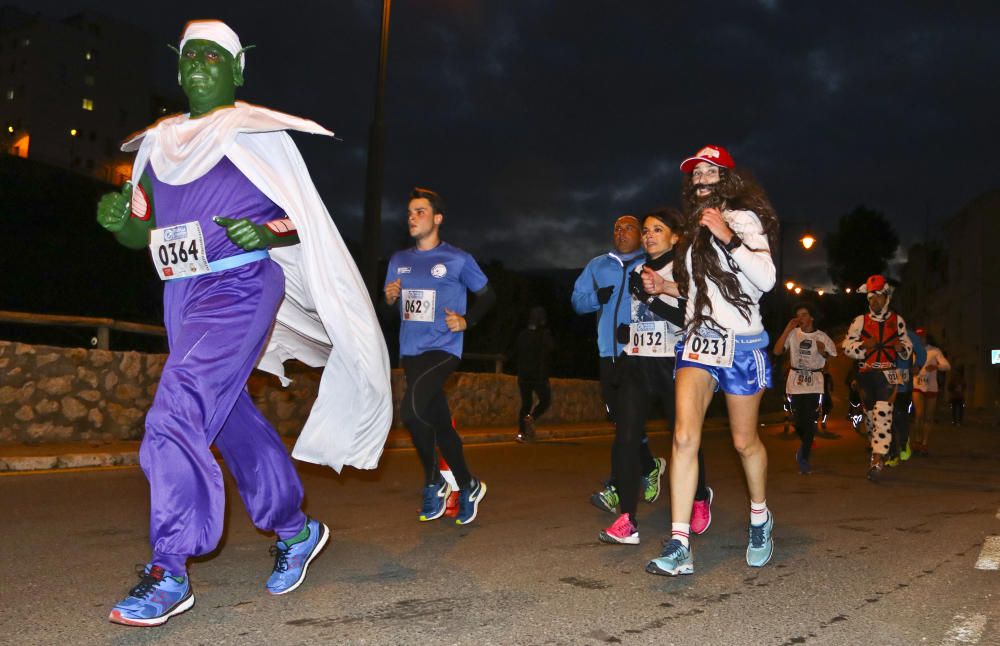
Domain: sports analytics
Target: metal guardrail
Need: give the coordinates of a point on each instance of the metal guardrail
(104, 326)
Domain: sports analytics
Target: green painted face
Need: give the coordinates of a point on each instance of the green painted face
(209, 76)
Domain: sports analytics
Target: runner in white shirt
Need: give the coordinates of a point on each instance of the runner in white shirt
(809, 349)
(729, 230)
(925, 393)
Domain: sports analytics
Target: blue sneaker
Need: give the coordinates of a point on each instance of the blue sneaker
(804, 467)
(292, 561)
(158, 597)
(468, 501)
(675, 559)
(435, 500)
(761, 547)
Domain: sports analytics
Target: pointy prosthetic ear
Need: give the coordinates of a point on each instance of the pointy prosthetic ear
(237, 68)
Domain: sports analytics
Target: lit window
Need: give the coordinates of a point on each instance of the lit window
(88, 104)
(10, 95)
(88, 55)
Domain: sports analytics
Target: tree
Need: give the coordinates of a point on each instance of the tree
(862, 245)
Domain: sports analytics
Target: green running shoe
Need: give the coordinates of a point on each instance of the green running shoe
(651, 481)
(606, 499)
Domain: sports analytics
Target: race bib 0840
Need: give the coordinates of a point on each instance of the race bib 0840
(418, 305)
(711, 347)
(648, 339)
(178, 251)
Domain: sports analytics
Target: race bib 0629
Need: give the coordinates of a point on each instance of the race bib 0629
(711, 347)
(178, 251)
(418, 305)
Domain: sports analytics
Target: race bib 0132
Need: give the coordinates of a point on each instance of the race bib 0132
(648, 339)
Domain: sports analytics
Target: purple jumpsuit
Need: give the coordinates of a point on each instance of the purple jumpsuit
(217, 325)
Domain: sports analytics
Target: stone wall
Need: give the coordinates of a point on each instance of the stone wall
(50, 394)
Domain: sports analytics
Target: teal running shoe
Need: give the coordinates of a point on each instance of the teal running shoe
(675, 559)
(761, 547)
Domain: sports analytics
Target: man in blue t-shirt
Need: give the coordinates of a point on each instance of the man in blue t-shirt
(430, 281)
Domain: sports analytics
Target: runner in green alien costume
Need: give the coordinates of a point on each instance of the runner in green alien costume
(255, 273)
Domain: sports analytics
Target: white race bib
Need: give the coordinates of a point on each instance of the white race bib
(418, 305)
(648, 339)
(803, 377)
(711, 347)
(894, 377)
(178, 251)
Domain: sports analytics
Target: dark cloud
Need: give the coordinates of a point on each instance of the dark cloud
(541, 121)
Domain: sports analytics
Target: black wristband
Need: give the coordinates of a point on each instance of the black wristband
(734, 242)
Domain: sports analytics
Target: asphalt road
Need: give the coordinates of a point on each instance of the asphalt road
(855, 563)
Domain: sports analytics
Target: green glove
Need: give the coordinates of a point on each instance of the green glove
(245, 234)
(114, 209)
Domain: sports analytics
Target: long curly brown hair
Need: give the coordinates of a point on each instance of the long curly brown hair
(737, 190)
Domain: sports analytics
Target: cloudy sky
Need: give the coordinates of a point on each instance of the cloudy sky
(540, 121)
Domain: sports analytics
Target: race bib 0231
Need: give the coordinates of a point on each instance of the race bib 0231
(418, 305)
(178, 251)
(711, 347)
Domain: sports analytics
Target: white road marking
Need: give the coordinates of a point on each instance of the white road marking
(989, 556)
(965, 630)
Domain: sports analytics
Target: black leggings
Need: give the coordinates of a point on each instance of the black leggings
(805, 410)
(529, 387)
(610, 387)
(641, 378)
(425, 413)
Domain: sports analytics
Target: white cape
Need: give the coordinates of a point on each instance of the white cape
(327, 318)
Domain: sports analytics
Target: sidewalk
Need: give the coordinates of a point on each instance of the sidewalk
(84, 455)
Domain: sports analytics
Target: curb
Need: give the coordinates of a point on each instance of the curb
(398, 439)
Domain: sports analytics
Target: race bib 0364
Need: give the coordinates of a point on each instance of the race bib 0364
(178, 251)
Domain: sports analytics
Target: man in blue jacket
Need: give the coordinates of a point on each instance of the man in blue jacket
(602, 287)
(900, 448)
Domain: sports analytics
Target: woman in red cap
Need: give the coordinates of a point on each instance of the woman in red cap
(729, 230)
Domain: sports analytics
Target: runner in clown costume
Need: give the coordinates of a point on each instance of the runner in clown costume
(876, 340)
(254, 273)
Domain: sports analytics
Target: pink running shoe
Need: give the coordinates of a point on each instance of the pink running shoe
(621, 531)
(701, 513)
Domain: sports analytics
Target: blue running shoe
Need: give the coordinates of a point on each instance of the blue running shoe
(761, 547)
(675, 559)
(292, 561)
(158, 597)
(435, 500)
(468, 501)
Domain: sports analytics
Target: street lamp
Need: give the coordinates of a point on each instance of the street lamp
(807, 241)
(790, 285)
(371, 243)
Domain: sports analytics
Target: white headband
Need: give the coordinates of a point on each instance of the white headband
(217, 32)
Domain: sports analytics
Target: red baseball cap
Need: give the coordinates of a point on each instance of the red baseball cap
(716, 155)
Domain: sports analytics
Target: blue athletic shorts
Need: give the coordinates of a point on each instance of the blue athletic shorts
(750, 372)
